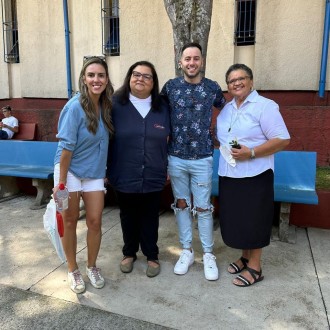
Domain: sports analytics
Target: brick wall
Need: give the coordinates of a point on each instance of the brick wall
(44, 112)
(308, 120)
(309, 128)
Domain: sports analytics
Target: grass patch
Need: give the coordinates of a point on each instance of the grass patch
(323, 178)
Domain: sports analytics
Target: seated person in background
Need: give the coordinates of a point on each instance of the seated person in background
(8, 125)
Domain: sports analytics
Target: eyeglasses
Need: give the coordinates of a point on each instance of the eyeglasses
(239, 80)
(145, 76)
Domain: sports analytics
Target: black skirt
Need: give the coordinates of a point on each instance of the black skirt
(246, 208)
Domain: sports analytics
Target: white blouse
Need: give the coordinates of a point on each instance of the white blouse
(255, 122)
(143, 106)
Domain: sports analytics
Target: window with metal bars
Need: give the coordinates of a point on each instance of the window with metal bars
(10, 31)
(245, 23)
(110, 27)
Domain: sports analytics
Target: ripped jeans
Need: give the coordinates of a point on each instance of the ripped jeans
(193, 177)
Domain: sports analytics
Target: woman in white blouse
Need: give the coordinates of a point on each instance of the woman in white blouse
(250, 130)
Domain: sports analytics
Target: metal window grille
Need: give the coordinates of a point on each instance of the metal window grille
(10, 31)
(245, 25)
(110, 27)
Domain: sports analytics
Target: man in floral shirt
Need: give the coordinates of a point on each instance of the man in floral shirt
(190, 162)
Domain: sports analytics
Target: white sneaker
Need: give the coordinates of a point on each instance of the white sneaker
(95, 277)
(76, 281)
(185, 261)
(210, 267)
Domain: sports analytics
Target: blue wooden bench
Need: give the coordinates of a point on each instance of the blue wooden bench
(294, 182)
(28, 159)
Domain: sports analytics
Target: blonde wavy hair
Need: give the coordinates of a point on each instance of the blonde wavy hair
(105, 98)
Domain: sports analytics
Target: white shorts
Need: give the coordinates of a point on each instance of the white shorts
(75, 184)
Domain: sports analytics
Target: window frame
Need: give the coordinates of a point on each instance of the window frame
(245, 22)
(10, 31)
(110, 28)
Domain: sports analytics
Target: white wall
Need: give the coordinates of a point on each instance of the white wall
(146, 34)
(42, 48)
(289, 44)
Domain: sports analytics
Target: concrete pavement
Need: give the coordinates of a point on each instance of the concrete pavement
(34, 293)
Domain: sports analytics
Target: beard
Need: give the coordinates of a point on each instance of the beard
(192, 75)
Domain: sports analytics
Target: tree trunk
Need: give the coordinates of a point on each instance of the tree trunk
(191, 21)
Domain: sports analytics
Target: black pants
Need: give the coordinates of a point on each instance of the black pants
(139, 215)
(3, 135)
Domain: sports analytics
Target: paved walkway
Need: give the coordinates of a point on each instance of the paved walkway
(34, 293)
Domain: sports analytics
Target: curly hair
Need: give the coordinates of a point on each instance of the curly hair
(105, 98)
(239, 66)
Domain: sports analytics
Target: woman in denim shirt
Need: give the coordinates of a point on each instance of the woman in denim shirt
(80, 164)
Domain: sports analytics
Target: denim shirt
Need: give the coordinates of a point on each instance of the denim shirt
(191, 115)
(89, 151)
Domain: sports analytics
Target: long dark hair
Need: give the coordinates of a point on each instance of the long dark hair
(122, 94)
(105, 98)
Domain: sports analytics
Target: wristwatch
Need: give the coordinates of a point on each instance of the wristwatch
(253, 155)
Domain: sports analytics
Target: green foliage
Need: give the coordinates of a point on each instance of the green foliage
(323, 178)
(234, 144)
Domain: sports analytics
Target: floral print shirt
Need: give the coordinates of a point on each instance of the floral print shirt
(191, 115)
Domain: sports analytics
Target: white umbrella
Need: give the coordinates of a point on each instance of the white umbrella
(52, 230)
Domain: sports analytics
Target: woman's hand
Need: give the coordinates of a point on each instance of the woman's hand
(244, 153)
(265, 149)
(56, 188)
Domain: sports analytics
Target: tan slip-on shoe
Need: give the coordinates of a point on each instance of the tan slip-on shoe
(153, 271)
(127, 267)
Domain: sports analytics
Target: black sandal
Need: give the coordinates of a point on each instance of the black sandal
(235, 266)
(253, 273)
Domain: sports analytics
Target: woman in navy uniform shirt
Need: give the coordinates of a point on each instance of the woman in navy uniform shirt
(137, 162)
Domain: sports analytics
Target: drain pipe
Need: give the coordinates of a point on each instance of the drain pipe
(67, 48)
(325, 46)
